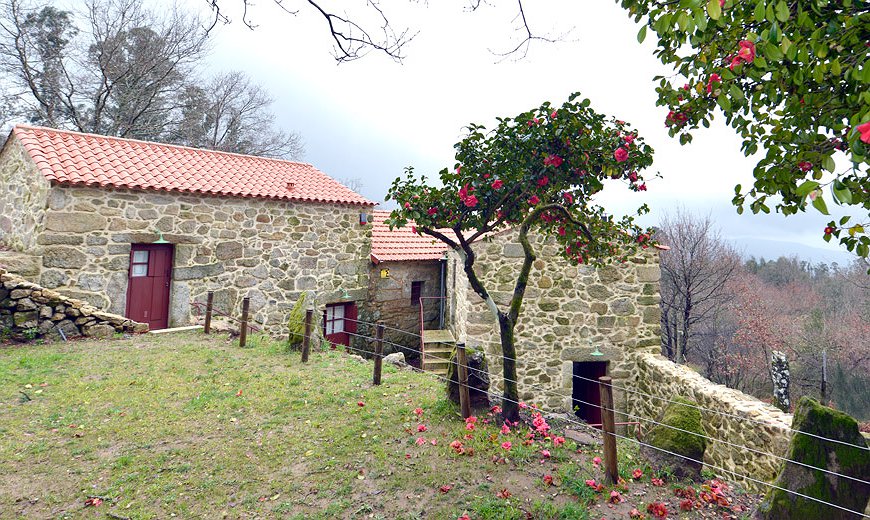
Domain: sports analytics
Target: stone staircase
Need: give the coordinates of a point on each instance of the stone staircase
(438, 345)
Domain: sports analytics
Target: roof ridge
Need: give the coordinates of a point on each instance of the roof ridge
(157, 143)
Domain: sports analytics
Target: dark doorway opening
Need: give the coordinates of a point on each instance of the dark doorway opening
(149, 276)
(586, 396)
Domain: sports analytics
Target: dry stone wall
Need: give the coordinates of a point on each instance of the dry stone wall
(567, 310)
(28, 311)
(727, 416)
(268, 250)
(23, 194)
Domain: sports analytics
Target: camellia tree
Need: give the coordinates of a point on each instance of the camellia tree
(538, 171)
(793, 79)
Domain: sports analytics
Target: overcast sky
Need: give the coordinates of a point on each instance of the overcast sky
(371, 118)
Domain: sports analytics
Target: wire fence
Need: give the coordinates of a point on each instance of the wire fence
(574, 421)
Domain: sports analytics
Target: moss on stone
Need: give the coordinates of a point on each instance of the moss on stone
(682, 414)
(814, 418)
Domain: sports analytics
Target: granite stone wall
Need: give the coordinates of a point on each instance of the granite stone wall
(268, 250)
(28, 311)
(567, 310)
(390, 302)
(23, 194)
(730, 417)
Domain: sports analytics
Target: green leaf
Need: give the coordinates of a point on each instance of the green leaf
(759, 12)
(641, 34)
(804, 189)
(819, 204)
(782, 12)
(828, 163)
(713, 9)
(700, 20)
(841, 193)
(683, 21)
(724, 102)
(773, 53)
(774, 34)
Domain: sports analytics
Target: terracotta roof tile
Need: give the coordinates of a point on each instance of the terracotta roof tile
(95, 160)
(401, 244)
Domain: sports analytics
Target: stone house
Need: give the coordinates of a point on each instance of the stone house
(143, 229)
(407, 290)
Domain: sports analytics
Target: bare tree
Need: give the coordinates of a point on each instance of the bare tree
(232, 114)
(130, 72)
(369, 28)
(694, 276)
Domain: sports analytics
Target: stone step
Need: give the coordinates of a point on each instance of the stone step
(176, 329)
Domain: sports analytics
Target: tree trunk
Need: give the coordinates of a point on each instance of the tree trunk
(510, 398)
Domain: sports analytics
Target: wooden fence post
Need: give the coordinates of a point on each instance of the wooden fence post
(208, 308)
(464, 398)
(379, 353)
(306, 339)
(611, 470)
(243, 328)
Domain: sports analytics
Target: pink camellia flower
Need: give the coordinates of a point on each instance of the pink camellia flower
(629, 138)
(642, 187)
(548, 480)
(558, 441)
(434, 442)
(632, 176)
(747, 51)
(805, 166)
(464, 517)
(432, 211)
(553, 115)
(421, 428)
(721, 3)
(472, 419)
(657, 482)
(591, 483)
(420, 441)
(360, 403)
(470, 201)
(545, 454)
(596, 461)
(534, 121)
(469, 427)
(637, 473)
(553, 160)
(523, 405)
(497, 184)
(569, 198)
(495, 409)
(543, 181)
(620, 154)
(506, 445)
(407, 205)
(534, 200)
(505, 430)
(864, 130)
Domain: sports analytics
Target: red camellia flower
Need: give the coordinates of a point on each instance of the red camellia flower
(548, 480)
(445, 488)
(636, 474)
(553, 160)
(621, 154)
(747, 51)
(422, 428)
(568, 197)
(829, 230)
(543, 181)
(805, 166)
(686, 505)
(506, 445)
(558, 441)
(642, 187)
(657, 509)
(864, 130)
(470, 201)
(504, 493)
(360, 403)
(534, 200)
(432, 211)
(407, 205)
(497, 184)
(632, 176)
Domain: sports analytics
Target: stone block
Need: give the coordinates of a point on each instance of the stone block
(50, 239)
(25, 320)
(68, 222)
(197, 272)
(25, 304)
(63, 257)
(229, 250)
(91, 282)
(98, 330)
(513, 251)
(649, 273)
(599, 292)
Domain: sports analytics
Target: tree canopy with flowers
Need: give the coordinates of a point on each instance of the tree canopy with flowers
(793, 79)
(537, 172)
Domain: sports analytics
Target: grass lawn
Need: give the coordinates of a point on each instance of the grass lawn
(191, 426)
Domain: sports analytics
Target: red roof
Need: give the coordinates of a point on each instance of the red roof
(96, 160)
(401, 243)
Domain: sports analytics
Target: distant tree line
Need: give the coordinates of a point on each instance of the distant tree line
(114, 67)
(724, 317)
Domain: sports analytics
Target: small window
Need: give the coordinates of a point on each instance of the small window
(333, 319)
(139, 266)
(416, 292)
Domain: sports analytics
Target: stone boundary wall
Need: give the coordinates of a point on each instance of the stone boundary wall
(28, 311)
(655, 375)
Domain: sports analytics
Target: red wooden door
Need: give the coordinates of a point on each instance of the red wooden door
(339, 323)
(148, 284)
(586, 390)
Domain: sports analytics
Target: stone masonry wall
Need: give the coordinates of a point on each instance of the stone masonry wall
(23, 194)
(390, 302)
(268, 250)
(28, 311)
(566, 310)
(749, 422)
